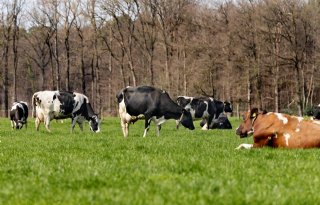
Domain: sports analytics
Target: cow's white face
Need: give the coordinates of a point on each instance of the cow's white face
(94, 123)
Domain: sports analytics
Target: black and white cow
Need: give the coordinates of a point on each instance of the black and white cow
(19, 115)
(221, 122)
(49, 105)
(151, 104)
(315, 112)
(205, 108)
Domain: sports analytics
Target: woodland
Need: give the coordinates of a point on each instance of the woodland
(254, 53)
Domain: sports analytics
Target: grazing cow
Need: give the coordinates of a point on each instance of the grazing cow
(221, 122)
(151, 104)
(204, 108)
(49, 105)
(279, 130)
(19, 114)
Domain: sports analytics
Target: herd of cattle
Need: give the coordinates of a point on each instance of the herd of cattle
(153, 104)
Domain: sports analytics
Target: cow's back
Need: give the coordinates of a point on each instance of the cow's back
(54, 103)
(141, 99)
(25, 109)
(64, 103)
(200, 107)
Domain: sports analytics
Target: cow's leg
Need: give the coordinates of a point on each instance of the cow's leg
(258, 143)
(158, 123)
(146, 126)
(80, 125)
(73, 123)
(209, 121)
(125, 127)
(12, 124)
(47, 123)
(80, 122)
(206, 125)
(37, 123)
(158, 127)
(177, 123)
(245, 146)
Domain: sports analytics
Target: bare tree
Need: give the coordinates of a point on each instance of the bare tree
(6, 28)
(147, 17)
(69, 18)
(39, 39)
(16, 9)
(123, 14)
(78, 23)
(50, 10)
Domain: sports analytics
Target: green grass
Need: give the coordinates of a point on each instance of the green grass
(179, 167)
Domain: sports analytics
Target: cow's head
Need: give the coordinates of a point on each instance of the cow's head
(18, 124)
(186, 119)
(227, 106)
(183, 101)
(94, 123)
(246, 127)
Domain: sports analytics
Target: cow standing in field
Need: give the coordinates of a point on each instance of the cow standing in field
(278, 130)
(152, 104)
(205, 108)
(19, 115)
(49, 105)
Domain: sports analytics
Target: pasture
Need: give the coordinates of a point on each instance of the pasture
(179, 167)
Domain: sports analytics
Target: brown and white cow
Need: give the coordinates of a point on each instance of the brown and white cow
(279, 130)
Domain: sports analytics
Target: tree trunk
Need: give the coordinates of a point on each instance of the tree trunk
(15, 39)
(185, 91)
(56, 49)
(167, 70)
(67, 45)
(298, 91)
(248, 89)
(276, 67)
(5, 85)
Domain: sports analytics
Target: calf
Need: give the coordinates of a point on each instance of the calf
(151, 104)
(49, 105)
(278, 130)
(19, 115)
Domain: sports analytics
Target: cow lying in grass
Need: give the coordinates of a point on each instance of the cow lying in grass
(279, 130)
(205, 108)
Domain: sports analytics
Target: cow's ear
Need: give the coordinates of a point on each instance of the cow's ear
(254, 112)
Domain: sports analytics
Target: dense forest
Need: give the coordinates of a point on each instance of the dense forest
(262, 53)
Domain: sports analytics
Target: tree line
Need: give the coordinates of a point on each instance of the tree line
(254, 53)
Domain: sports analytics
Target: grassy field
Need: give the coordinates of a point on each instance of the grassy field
(179, 167)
